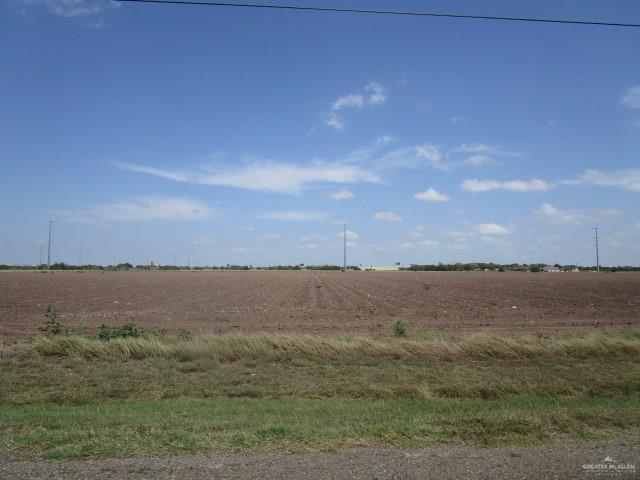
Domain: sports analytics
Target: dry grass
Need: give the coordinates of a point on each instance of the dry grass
(284, 348)
(71, 396)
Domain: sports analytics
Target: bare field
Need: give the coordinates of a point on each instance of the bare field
(317, 302)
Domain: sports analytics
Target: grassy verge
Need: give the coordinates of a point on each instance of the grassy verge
(75, 397)
(201, 425)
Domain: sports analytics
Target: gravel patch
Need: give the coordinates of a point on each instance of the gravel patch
(565, 461)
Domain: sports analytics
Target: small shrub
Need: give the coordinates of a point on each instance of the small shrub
(400, 328)
(52, 326)
(427, 286)
(125, 331)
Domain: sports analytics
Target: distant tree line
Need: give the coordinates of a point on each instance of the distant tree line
(129, 266)
(440, 267)
(533, 267)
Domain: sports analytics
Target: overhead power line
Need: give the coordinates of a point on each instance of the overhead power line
(387, 12)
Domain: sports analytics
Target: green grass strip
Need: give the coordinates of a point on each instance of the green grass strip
(187, 425)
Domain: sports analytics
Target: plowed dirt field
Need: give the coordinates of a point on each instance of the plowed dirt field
(317, 302)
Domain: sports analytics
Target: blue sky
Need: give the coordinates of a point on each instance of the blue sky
(163, 133)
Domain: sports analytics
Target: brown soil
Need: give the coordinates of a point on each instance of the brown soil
(317, 302)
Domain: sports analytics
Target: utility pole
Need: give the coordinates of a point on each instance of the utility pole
(344, 264)
(597, 251)
(49, 245)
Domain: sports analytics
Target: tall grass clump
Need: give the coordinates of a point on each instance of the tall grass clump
(286, 348)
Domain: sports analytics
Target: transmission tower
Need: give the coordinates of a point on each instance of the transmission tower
(49, 244)
(597, 250)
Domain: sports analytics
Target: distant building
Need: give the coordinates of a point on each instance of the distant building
(550, 268)
(570, 268)
(382, 268)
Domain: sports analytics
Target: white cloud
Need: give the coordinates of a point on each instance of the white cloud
(263, 176)
(631, 98)
(431, 195)
(342, 195)
(387, 217)
(311, 246)
(628, 179)
(158, 172)
(350, 235)
(576, 217)
(348, 101)
(379, 156)
(377, 94)
(143, 209)
(535, 185)
(555, 215)
(294, 216)
(74, 8)
(491, 229)
(409, 157)
(334, 121)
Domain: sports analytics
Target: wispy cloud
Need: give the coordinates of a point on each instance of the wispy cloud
(491, 229)
(379, 155)
(431, 195)
(141, 209)
(628, 179)
(409, 157)
(374, 95)
(334, 121)
(348, 101)
(387, 217)
(631, 97)
(341, 195)
(74, 8)
(294, 216)
(555, 215)
(575, 217)
(263, 176)
(484, 149)
(535, 185)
